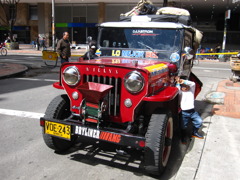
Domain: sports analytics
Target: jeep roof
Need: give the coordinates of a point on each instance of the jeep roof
(146, 25)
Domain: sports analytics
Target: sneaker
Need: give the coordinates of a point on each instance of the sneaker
(197, 135)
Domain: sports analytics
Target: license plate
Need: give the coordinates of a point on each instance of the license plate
(57, 129)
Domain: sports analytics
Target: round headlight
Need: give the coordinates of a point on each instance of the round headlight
(134, 82)
(71, 75)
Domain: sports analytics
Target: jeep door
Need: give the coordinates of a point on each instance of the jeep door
(187, 63)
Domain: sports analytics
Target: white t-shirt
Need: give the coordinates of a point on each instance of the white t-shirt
(187, 98)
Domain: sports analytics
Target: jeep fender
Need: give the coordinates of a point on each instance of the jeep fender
(58, 85)
(168, 94)
(167, 99)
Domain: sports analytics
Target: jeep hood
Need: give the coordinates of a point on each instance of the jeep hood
(131, 63)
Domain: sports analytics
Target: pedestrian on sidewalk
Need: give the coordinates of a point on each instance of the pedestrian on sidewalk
(38, 43)
(90, 54)
(186, 92)
(43, 45)
(63, 48)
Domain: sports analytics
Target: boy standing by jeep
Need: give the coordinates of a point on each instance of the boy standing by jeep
(186, 91)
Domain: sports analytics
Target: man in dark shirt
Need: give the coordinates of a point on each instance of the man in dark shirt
(63, 48)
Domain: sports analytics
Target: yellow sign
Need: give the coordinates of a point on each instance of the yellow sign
(116, 53)
(49, 55)
(57, 129)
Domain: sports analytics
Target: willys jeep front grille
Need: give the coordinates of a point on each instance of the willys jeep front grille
(113, 96)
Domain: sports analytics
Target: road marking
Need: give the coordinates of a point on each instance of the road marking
(222, 69)
(21, 113)
(19, 61)
(207, 70)
(14, 60)
(34, 79)
(31, 57)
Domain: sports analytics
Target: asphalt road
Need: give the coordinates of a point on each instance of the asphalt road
(24, 155)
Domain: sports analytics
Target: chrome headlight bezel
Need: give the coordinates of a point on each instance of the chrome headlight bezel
(134, 76)
(71, 71)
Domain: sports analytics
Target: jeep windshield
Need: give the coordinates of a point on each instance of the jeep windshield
(162, 42)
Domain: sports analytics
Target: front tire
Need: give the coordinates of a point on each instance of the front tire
(59, 108)
(158, 143)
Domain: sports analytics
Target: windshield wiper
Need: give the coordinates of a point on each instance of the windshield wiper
(146, 46)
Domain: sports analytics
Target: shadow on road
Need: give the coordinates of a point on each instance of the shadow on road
(22, 83)
(92, 153)
(104, 153)
(204, 108)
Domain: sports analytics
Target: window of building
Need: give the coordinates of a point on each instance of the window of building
(63, 14)
(79, 20)
(33, 13)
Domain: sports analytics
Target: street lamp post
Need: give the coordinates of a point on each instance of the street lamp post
(53, 25)
(227, 16)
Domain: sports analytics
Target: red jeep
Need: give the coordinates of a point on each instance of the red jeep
(126, 96)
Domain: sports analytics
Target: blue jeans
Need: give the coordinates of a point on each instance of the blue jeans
(193, 116)
(64, 60)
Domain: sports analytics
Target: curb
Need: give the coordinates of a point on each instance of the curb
(11, 69)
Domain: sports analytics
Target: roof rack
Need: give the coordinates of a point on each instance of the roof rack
(165, 14)
(186, 20)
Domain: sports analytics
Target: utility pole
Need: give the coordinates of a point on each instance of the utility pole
(53, 25)
(227, 16)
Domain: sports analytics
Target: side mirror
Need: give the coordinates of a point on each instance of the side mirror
(189, 52)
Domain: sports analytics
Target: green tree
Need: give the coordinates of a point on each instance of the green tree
(9, 15)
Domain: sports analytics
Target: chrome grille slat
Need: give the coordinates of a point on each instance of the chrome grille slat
(115, 97)
(109, 97)
(104, 80)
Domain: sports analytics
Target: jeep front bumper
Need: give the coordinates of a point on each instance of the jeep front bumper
(65, 129)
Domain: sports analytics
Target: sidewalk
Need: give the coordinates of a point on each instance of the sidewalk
(231, 106)
(11, 69)
(217, 156)
(27, 51)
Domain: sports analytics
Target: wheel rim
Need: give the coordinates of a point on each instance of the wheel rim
(167, 144)
(4, 52)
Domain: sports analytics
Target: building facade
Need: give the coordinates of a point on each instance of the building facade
(81, 19)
